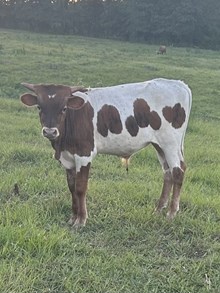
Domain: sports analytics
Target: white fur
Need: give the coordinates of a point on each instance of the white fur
(70, 161)
(67, 160)
(51, 96)
(158, 93)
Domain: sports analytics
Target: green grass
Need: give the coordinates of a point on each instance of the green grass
(124, 247)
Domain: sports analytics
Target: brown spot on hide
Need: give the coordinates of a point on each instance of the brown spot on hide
(80, 130)
(77, 136)
(141, 112)
(155, 121)
(144, 116)
(108, 119)
(176, 115)
(132, 126)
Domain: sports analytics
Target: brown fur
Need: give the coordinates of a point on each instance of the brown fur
(144, 117)
(176, 115)
(108, 119)
(132, 126)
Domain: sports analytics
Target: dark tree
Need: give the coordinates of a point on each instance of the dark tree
(179, 22)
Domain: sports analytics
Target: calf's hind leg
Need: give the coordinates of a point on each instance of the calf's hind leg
(178, 175)
(167, 186)
(167, 179)
(177, 168)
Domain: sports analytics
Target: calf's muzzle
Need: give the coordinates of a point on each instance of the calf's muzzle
(50, 133)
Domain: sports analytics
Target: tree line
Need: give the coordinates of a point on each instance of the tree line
(177, 22)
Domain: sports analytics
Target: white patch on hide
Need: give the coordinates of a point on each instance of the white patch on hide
(67, 160)
(70, 161)
(83, 161)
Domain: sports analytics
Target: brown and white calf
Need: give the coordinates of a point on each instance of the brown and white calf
(118, 120)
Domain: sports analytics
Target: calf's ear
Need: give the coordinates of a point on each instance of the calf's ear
(29, 99)
(75, 102)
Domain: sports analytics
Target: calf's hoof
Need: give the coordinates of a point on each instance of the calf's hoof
(171, 215)
(160, 207)
(77, 222)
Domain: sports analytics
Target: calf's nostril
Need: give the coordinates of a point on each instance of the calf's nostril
(44, 131)
(50, 133)
(53, 131)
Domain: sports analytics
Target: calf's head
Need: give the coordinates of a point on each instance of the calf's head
(53, 102)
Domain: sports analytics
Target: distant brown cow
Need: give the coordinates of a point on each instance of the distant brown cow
(162, 50)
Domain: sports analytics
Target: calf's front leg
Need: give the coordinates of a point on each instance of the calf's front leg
(77, 182)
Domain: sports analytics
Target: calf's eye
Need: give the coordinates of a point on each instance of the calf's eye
(64, 109)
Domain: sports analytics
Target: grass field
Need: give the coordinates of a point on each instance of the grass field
(124, 248)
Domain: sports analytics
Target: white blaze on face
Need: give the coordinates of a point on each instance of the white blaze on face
(51, 96)
(70, 161)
